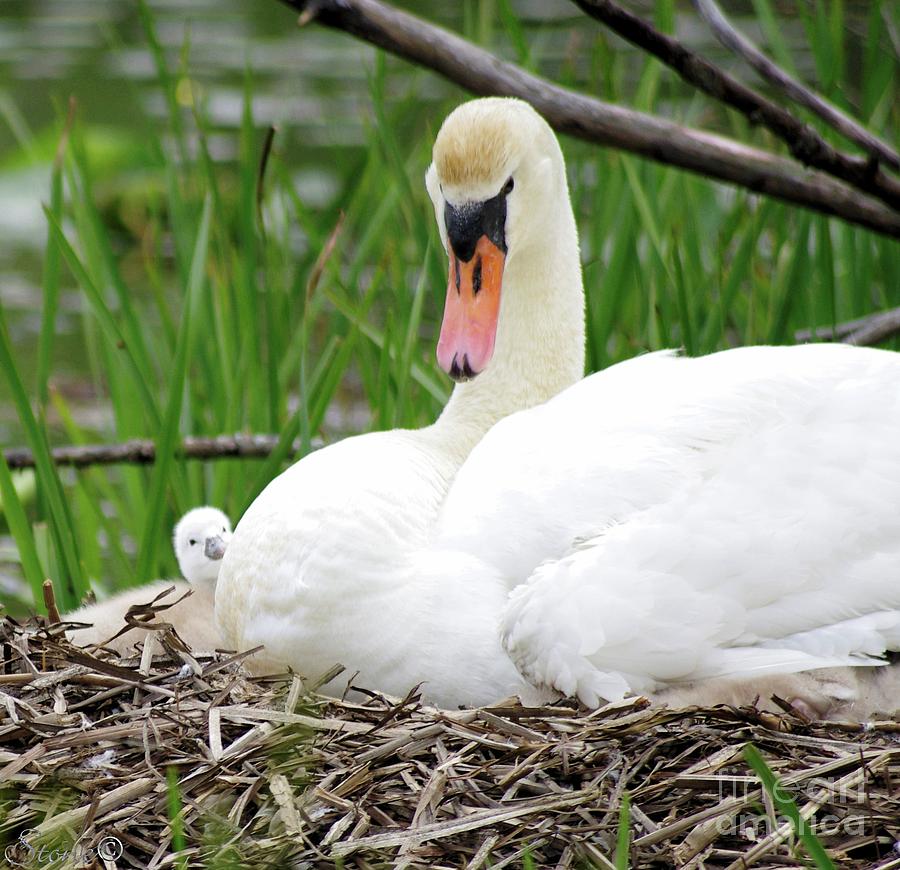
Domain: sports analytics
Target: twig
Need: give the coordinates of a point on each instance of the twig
(863, 331)
(50, 602)
(60, 153)
(595, 121)
(771, 72)
(318, 268)
(261, 173)
(142, 451)
(804, 142)
(426, 787)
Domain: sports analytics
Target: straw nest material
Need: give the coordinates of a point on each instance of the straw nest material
(182, 759)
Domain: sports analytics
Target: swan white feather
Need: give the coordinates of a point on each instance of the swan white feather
(666, 520)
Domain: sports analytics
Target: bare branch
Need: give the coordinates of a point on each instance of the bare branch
(595, 121)
(261, 174)
(142, 451)
(805, 143)
(50, 602)
(863, 331)
(869, 330)
(731, 38)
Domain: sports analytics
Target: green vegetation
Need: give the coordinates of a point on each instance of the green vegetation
(785, 805)
(173, 795)
(221, 305)
(623, 838)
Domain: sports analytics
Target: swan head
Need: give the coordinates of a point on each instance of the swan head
(496, 172)
(200, 539)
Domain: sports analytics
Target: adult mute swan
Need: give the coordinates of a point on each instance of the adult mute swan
(663, 521)
(199, 540)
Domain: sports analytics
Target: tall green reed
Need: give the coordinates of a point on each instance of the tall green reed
(214, 321)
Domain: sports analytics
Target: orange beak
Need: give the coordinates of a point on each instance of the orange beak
(471, 311)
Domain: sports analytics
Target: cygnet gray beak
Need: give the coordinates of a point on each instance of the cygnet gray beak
(214, 548)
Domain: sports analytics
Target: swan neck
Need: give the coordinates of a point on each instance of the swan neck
(540, 336)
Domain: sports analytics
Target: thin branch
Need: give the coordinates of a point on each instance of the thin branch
(804, 142)
(318, 269)
(142, 451)
(261, 174)
(863, 331)
(50, 602)
(731, 38)
(598, 122)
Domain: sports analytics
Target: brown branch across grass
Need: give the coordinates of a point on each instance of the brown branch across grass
(869, 330)
(795, 90)
(142, 451)
(805, 143)
(595, 121)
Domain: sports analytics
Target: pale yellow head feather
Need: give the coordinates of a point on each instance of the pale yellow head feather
(479, 140)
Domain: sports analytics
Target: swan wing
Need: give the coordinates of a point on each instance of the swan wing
(775, 548)
(634, 434)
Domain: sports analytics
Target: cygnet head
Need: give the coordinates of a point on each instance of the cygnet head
(200, 539)
(498, 184)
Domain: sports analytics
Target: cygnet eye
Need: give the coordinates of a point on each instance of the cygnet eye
(507, 188)
(192, 542)
(223, 529)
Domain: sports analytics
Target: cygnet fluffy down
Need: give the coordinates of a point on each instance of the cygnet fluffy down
(200, 539)
(849, 694)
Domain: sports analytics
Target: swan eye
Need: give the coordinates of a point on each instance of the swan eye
(192, 542)
(223, 528)
(507, 188)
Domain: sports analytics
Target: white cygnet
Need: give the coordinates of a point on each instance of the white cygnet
(200, 539)
(842, 694)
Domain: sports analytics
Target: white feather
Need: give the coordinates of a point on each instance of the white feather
(760, 520)
(665, 520)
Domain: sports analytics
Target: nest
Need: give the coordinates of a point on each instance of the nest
(176, 758)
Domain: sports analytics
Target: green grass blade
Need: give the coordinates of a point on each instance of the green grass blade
(795, 278)
(684, 307)
(410, 339)
(114, 335)
(272, 463)
(623, 835)
(18, 524)
(772, 31)
(166, 80)
(377, 337)
(98, 257)
(96, 482)
(517, 34)
(176, 823)
(648, 218)
(785, 804)
(73, 584)
(739, 275)
(52, 263)
(168, 436)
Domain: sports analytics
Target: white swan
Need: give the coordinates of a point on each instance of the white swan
(200, 539)
(663, 521)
